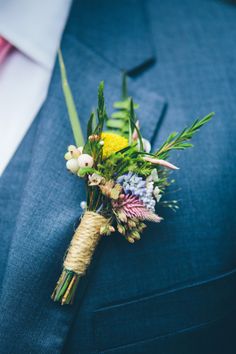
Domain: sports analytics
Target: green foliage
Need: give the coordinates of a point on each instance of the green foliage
(120, 120)
(95, 126)
(180, 141)
(130, 159)
(72, 112)
(163, 180)
(90, 125)
(86, 170)
(101, 110)
(101, 102)
(124, 161)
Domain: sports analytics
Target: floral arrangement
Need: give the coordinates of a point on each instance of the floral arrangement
(125, 181)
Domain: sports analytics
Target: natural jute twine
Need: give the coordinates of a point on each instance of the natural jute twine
(84, 242)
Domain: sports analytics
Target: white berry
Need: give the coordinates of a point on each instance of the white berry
(83, 205)
(72, 165)
(85, 160)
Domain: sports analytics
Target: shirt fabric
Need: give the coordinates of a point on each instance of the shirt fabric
(35, 29)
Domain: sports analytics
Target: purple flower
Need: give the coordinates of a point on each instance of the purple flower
(139, 187)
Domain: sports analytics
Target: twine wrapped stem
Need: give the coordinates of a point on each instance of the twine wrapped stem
(79, 256)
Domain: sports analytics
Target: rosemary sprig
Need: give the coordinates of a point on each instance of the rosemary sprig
(101, 110)
(179, 141)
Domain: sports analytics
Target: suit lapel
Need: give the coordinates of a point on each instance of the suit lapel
(49, 208)
(12, 184)
(117, 30)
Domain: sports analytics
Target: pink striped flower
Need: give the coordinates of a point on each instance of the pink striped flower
(132, 207)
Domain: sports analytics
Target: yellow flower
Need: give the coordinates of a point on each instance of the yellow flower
(112, 143)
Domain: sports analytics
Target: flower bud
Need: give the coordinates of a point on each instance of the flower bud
(131, 223)
(121, 215)
(135, 235)
(68, 155)
(85, 160)
(94, 137)
(112, 229)
(121, 229)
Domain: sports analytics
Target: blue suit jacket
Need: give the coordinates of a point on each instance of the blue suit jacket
(174, 291)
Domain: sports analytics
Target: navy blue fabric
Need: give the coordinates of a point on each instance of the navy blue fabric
(174, 291)
(11, 190)
(103, 25)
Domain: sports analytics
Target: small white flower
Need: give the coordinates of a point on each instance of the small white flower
(73, 152)
(71, 148)
(157, 194)
(149, 186)
(156, 191)
(146, 145)
(153, 176)
(68, 156)
(95, 179)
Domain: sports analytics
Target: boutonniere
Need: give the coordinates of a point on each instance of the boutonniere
(125, 180)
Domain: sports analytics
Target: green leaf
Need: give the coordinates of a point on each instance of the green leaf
(124, 127)
(83, 171)
(118, 124)
(119, 115)
(101, 101)
(121, 104)
(74, 119)
(94, 122)
(101, 110)
(90, 125)
(124, 104)
(186, 145)
(87, 148)
(172, 136)
(145, 153)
